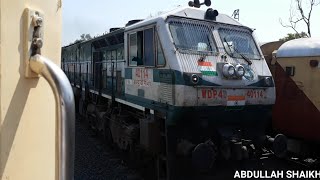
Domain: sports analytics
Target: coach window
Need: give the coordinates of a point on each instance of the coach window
(108, 55)
(120, 53)
(290, 70)
(104, 55)
(113, 55)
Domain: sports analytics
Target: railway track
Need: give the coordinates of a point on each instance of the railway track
(96, 161)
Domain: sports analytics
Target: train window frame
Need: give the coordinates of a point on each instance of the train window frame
(141, 32)
(104, 55)
(82, 54)
(131, 62)
(238, 30)
(211, 39)
(290, 70)
(140, 47)
(159, 47)
(108, 55)
(113, 54)
(120, 57)
(153, 50)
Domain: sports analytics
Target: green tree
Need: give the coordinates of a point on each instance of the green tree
(83, 37)
(291, 36)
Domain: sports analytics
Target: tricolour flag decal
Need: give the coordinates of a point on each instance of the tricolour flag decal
(206, 69)
(202, 63)
(236, 100)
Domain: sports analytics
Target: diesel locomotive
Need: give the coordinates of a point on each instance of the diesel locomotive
(188, 85)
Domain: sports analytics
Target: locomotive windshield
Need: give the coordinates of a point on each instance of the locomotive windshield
(239, 44)
(192, 37)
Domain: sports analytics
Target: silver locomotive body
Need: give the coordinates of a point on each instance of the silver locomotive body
(207, 63)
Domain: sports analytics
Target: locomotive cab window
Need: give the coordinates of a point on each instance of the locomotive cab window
(133, 50)
(239, 44)
(192, 37)
(160, 56)
(141, 48)
(149, 47)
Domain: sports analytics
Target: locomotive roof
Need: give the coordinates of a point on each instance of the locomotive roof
(185, 12)
(302, 47)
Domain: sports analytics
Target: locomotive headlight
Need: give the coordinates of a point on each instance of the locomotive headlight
(240, 71)
(268, 81)
(228, 70)
(194, 79)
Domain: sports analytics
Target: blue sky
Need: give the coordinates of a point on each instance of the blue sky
(98, 16)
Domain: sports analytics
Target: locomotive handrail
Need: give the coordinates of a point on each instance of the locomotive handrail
(65, 114)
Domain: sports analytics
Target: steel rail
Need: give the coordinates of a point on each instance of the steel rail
(65, 114)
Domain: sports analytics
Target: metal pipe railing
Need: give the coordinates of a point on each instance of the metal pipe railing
(65, 114)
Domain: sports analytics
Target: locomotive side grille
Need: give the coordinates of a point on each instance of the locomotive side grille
(166, 87)
(166, 93)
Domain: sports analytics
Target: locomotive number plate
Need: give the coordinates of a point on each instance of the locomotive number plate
(230, 97)
(213, 94)
(256, 94)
